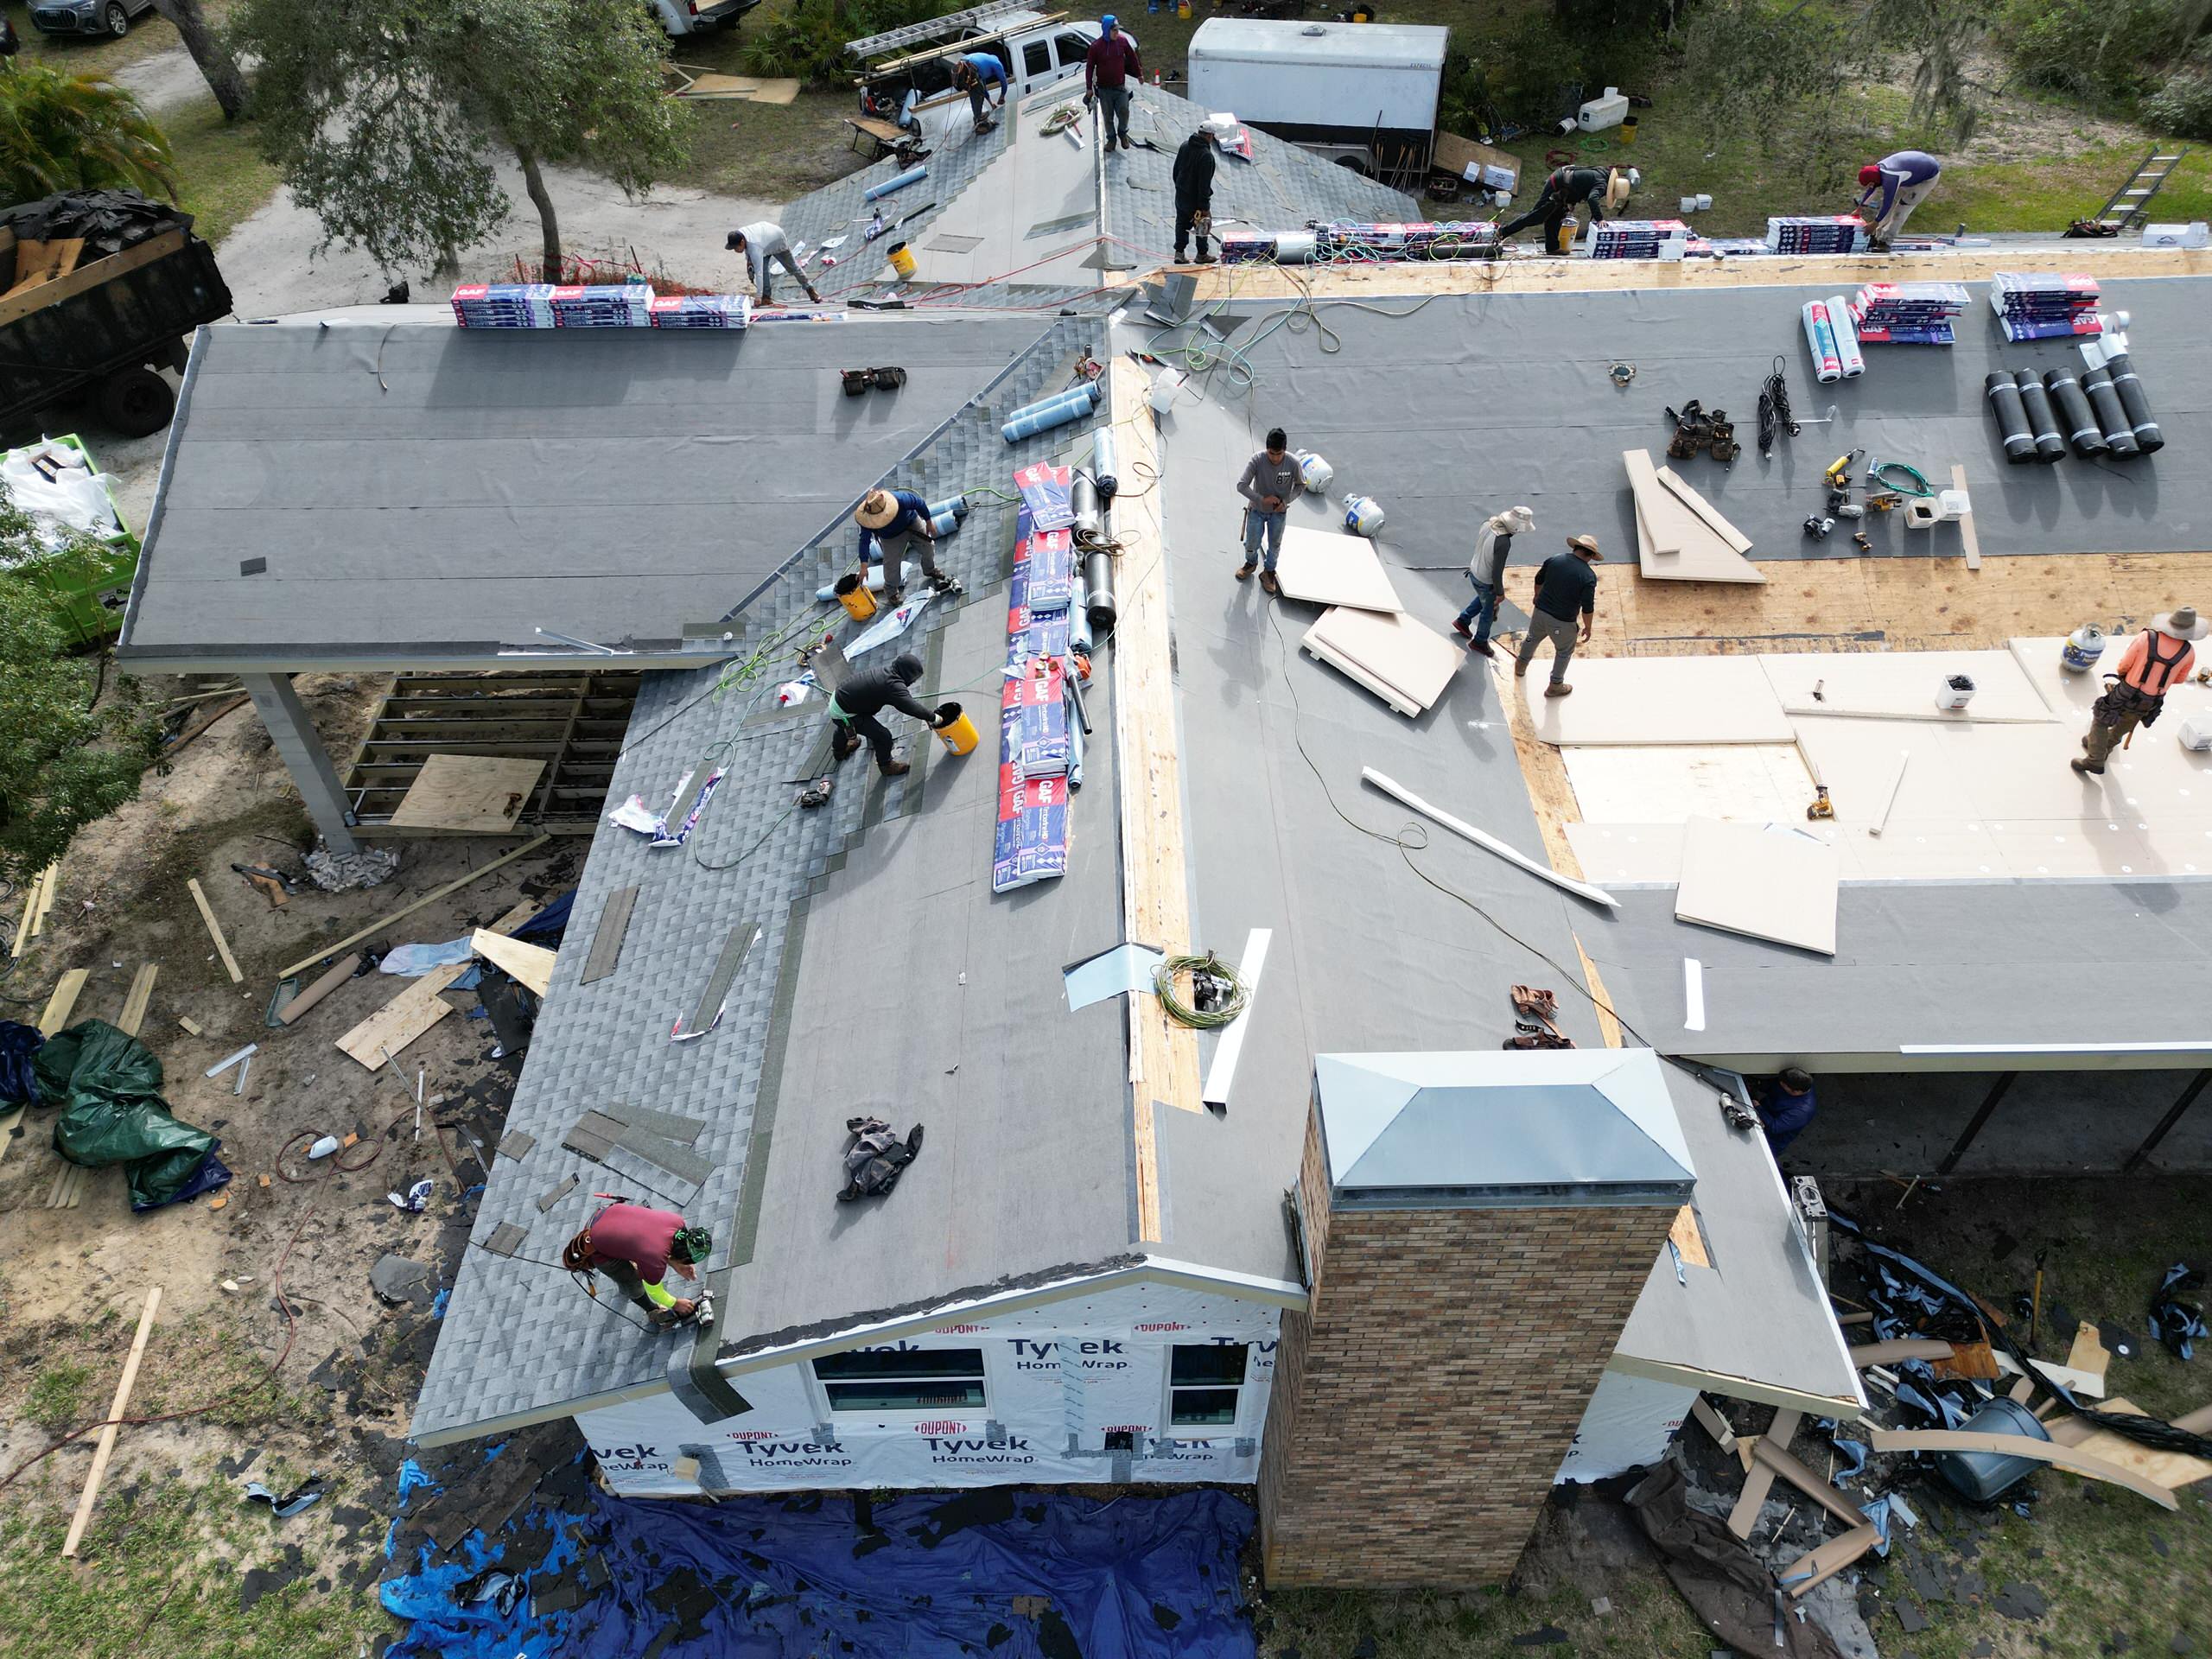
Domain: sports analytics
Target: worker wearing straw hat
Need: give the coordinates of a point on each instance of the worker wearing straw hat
(2158, 659)
(1566, 594)
(1603, 190)
(895, 520)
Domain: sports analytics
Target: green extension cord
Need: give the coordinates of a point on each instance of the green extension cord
(1163, 982)
(1879, 474)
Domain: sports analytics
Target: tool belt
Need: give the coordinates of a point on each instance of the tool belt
(2122, 700)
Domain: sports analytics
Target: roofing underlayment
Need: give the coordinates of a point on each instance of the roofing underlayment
(422, 495)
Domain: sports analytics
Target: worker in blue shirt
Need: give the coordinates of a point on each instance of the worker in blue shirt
(1893, 187)
(1786, 1106)
(896, 520)
(975, 73)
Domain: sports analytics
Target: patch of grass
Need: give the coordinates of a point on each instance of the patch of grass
(222, 180)
(765, 152)
(56, 1399)
(1646, 1619)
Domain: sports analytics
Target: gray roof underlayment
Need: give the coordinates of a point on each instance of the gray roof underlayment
(422, 495)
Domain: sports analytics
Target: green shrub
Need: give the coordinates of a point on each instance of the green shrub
(2100, 49)
(2182, 107)
(809, 41)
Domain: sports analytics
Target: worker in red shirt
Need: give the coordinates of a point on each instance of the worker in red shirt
(1107, 68)
(636, 1247)
(2160, 658)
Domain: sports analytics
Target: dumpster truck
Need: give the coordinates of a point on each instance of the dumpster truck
(100, 290)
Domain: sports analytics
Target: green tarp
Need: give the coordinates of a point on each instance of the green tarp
(108, 1086)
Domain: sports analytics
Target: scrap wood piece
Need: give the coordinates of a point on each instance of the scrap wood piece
(530, 964)
(2172, 1469)
(2073, 1381)
(1810, 1572)
(467, 793)
(1780, 1431)
(2020, 1445)
(1967, 537)
(63, 1000)
(23, 927)
(1973, 1361)
(1888, 1353)
(405, 911)
(1806, 1481)
(47, 883)
(136, 1001)
(414, 1010)
(2088, 1355)
(105, 1449)
(339, 973)
(215, 931)
(1713, 1423)
(1681, 489)
(1458, 827)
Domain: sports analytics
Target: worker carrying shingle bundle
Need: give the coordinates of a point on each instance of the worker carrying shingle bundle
(636, 1247)
(1193, 176)
(1566, 188)
(1893, 187)
(2160, 658)
(855, 705)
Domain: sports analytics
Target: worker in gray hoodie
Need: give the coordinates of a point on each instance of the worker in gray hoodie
(1486, 574)
(1270, 483)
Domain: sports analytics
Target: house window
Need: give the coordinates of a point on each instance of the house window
(1073, 50)
(1036, 60)
(902, 1379)
(1204, 1383)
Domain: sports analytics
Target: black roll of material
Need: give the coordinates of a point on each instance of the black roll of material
(2004, 395)
(2075, 418)
(2120, 436)
(1098, 585)
(2051, 443)
(1083, 502)
(2133, 403)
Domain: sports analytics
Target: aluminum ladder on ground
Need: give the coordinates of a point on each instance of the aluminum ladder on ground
(930, 28)
(2131, 204)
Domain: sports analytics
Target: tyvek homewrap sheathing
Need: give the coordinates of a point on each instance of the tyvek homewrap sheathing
(1630, 1423)
(1059, 1380)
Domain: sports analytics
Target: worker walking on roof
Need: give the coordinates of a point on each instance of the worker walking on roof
(1193, 174)
(764, 245)
(1270, 483)
(975, 73)
(1486, 574)
(1893, 188)
(1567, 188)
(636, 1247)
(1786, 1106)
(1107, 69)
(854, 706)
(894, 520)
(1567, 593)
(2158, 659)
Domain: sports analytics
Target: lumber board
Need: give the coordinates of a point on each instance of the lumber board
(136, 1001)
(105, 1449)
(48, 883)
(1713, 1423)
(337, 975)
(1968, 538)
(63, 1001)
(215, 931)
(532, 964)
(1888, 1353)
(2172, 1469)
(23, 927)
(1830, 1559)
(467, 794)
(2017, 1446)
(1760, 1477)
(2088, 1383)
(1665, 527)
(2088, 1355)
(415, 1009)
(405, 911)
(1155, 889)
(1807, 1481)
(2196, 1422)
(91, 275)
(1687, 494)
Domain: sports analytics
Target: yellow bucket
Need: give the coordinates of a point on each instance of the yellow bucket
(1567, 235)
(902, 261)
(852, 593)
(1628, 129)
(958, 734)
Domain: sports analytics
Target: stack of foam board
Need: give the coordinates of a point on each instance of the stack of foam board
(1680, 536)
(1366, 633)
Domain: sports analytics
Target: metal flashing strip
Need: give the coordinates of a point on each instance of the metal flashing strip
(1589, 1195)
(1222, 1071)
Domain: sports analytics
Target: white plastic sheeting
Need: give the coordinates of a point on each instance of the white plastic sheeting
(74, 499)
(1058, 1381)
(1630, 1422)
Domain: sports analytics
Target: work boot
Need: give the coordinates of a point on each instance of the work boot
(2085, 767)
(1244, 570)
(1267, 581)
(1520, 670)
(1180, 259)
(942, 583)
(1204, 258)
(896, 769)
(1562, 689)
(1482, 648)
(814, 293)
(1459, 627)
(892, 598)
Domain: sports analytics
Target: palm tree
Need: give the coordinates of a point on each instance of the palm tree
(76, 132)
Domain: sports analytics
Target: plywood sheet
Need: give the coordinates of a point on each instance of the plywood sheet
(1764, 881)
(1395, 656)
(1666, 784)
(1672, 700)
(1335, 570)
(2172, 1469)
(1905, 682)
(468, 793)
(532, 964)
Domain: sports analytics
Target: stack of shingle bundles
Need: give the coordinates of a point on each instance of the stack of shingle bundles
(703, 311)
(611, 305)
(1248, 247)
(1033, 719)
(1827, 233)
(1639, 238)
(504, 305)
(1040, 753)
(1908, 313)
(1726, 247)
(2041, 305)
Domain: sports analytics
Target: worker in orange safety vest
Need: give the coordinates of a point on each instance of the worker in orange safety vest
(2159, 657)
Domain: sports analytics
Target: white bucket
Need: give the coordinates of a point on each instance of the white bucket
(2197, 734)
(1166, 385)
(1954, 693)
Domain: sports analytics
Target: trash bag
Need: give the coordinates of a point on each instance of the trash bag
(18, 1080)
(109, 1087)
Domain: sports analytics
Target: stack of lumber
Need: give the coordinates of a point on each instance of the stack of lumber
(1680, 536)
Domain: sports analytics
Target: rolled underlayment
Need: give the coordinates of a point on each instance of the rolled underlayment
(2003, 393)
(2104, 399)
(2043, 420)
(1820, 338)
(2149, 438)
(2073, 412)
(1853, 361)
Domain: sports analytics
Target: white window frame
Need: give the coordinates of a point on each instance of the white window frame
(1171, 1430)
(818, 1389)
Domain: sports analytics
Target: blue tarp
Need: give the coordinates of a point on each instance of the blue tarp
(1011, 1575)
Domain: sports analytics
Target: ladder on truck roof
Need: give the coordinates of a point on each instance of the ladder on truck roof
(930, 28)
(2131, 204)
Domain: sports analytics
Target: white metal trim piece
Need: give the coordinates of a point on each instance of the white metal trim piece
(1693, 994)
(1223, 1070)
(1580, 889)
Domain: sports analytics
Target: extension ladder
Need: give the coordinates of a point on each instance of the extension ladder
(931, 29)
(2131, 204)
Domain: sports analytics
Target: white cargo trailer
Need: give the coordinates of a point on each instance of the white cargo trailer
(1364, 94)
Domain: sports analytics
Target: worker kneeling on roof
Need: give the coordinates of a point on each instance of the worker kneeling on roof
(636, 1247)
(1567, 188)
(855, 705)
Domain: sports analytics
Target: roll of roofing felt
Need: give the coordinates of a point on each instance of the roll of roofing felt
(2119, 436)
(2075, 418)
(2043, 420)
(1098, 591)
(1819, 339)
(2133, 403)
(1847, 354)
(2012, 429)
(1083, 502)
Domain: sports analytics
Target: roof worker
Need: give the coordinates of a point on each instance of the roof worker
(1785, 1107)
(1271, 482)
(855, 705)
(1567, 588)
(764, 245)
(894, 520)
(1193, 174)
(2157, 659)
(1567, 188)
(1107, 68)
(975, 73)
(637, 1247)
(1486, 574)
(1900, 181)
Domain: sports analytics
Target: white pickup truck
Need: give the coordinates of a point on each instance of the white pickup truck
(1038, 48)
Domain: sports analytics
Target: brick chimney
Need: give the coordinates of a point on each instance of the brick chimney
(1477, 1228)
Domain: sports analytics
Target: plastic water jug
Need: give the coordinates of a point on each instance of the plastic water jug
(1600, 113)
